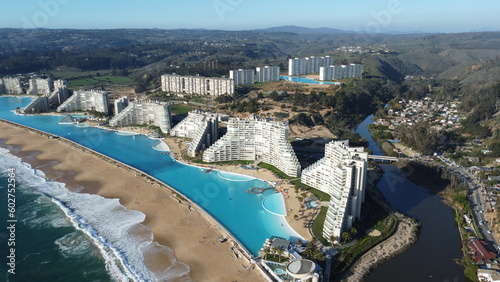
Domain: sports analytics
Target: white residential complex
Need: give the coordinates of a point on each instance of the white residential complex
(267, 73)
(242, 77)
(40, 86)
(201, 127)
(158, 114)
(38, 105)
(340, 72)
(342, 175)
(256, 139)
(12, 85)
(60, 93)
(300, 66)
(120, 104)
(85, 100)
(260, 74)
(197, 85)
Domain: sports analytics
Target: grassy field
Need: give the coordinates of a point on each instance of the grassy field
(92, 82)
(317, 226)
(178, 109)
(320, 195)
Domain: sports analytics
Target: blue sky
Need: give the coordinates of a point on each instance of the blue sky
(359, 15)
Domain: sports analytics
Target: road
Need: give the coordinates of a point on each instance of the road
(476, 200)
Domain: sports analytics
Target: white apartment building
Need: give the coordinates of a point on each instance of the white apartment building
(40, 86)
(144, 113)
(300, 66)
(256, 139)
(201, 127)
(242, 77)
(120, 104)
(340, 72)
(267, 73)
(84, 100)
(197, 85)
(38, 105)
(341, 173)
(60, 93)
(13, 85)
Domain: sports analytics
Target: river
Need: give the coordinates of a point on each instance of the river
(432, 257)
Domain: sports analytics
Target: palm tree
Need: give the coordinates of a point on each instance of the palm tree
(275, 250)
(319, 255)
(296, 217)
(346, 237)
(333, 239)
(280, 252)
(267, 250)
(353, 231)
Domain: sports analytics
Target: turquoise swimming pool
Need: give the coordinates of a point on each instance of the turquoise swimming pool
(305, 80)
(222, 194)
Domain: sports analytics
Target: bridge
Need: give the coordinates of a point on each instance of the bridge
(383, 158)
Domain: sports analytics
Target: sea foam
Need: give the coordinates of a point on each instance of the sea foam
(106, 222)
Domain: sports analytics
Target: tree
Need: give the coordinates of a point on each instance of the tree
(333, 239)
(275, 96)
(267, 250)
(346, 237)
(318, 255)
(280, 252)
(353, 231)
(296, 217)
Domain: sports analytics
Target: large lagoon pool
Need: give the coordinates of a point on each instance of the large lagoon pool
(223, 195)
(306, 80)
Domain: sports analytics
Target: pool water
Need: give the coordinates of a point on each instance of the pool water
(225, 198)
(306, 80)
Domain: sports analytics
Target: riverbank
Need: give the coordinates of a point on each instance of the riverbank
(403, 237)
(191, 235)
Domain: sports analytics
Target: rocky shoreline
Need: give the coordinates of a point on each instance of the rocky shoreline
(405, 235)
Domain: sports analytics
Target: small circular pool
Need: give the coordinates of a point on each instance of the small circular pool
(279, 271)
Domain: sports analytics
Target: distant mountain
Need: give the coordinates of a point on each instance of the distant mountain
(302, 30)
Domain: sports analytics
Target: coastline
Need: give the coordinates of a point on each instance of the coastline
(190, 234)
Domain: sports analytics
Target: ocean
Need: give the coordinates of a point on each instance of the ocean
(65, 236)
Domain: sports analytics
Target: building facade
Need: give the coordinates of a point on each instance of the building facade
(60, 93)
(198, 85)
(201, 127)
(40, 86)
(340, 72)
(267, 74)
(256, 139)
(158, 114)
(120, 104)
(300, 66)
(13, 85)
(242, 77)
(342, 175)
(85, 100)
(38, 105)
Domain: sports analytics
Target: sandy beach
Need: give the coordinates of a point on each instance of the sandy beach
(193, 238)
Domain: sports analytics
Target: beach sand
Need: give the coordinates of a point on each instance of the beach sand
(189, 234)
